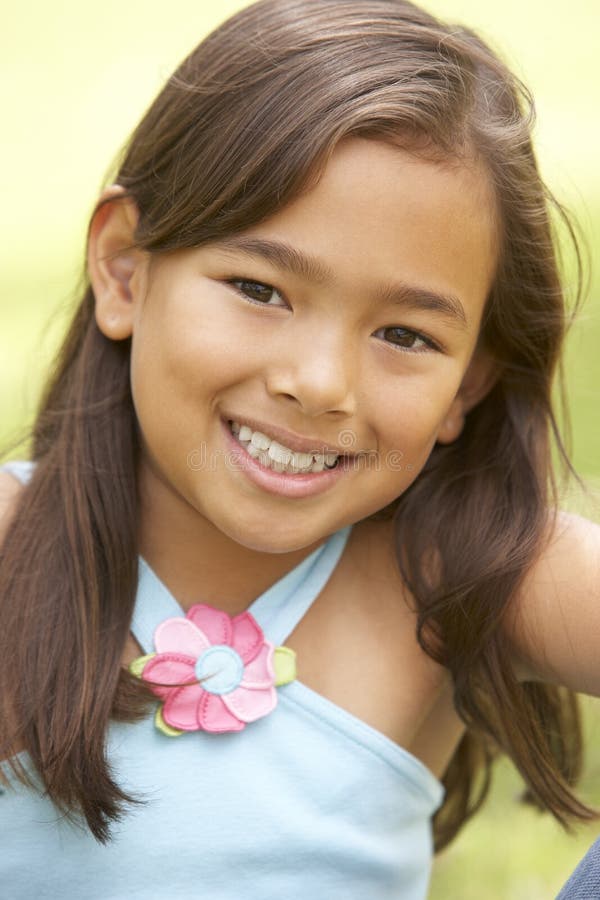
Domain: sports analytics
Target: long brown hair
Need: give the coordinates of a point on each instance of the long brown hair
(244, 124)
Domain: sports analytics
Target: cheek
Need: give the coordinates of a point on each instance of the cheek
(182, 356)
(411, 414)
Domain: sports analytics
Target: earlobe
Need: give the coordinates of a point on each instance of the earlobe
(116, 267)
(451, 427)
(480, 377)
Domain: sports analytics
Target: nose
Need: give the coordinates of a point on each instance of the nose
(317, 373)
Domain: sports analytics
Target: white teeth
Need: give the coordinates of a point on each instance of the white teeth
(263, 457)
(260, 440)
(277, 457)
(301, 460)
(279, 453)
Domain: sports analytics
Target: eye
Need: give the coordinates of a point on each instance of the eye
(257, 292)
(406, 339)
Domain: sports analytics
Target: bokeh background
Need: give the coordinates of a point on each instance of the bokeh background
(74, 79)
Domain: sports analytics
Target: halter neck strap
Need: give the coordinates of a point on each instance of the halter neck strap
(283, 605)
(278, 610)
(154, 603)
(19, 469)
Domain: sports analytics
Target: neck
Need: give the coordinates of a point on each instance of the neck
(197, 562)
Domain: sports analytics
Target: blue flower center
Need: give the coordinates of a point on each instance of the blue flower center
(220, 669)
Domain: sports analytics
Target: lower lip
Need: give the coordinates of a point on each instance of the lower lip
(280, 482)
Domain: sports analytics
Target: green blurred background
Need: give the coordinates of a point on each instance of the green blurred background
(75, 79)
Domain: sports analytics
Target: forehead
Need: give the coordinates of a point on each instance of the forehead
(381, 214)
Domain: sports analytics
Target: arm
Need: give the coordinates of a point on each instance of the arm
(555, 623)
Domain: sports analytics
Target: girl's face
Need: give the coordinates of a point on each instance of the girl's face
(346, 321)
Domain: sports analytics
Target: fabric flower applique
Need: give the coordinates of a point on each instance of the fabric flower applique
(213, 672)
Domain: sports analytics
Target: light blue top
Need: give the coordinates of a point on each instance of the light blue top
(308, 802)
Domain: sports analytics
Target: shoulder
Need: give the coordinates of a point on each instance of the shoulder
(569, 560)
(10, 491)
(570, 556)
(372, 596)
(401, 691)
(554, 623)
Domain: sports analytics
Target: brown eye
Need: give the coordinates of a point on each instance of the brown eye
(405, 339)
(257, 292)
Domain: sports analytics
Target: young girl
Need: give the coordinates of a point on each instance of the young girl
(284, 571)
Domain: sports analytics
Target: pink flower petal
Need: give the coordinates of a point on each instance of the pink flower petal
(247, 636)
(249, 705)
(214, 715)
(168, 669)
(179, 635)
(214, 623)
(181, 708)
(259, 673)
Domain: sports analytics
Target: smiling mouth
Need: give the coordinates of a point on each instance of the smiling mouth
(273, 455)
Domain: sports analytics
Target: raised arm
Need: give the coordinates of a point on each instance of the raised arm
(555, 625)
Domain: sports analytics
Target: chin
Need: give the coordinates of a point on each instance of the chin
(276, 540)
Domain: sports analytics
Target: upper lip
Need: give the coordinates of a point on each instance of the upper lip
(290, 439)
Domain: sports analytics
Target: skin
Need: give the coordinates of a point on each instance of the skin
(313, 360)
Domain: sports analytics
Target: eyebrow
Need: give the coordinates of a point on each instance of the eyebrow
(288, 259)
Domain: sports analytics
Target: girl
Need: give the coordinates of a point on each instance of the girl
(284, 572)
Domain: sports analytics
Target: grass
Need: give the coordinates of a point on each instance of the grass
(510, 851)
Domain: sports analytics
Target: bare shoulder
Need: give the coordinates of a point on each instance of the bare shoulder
(10, 491)
(570, 558)
(401, 690)
(555, 625)
(571, 553)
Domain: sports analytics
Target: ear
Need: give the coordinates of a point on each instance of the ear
(481, 375)
(116, 268)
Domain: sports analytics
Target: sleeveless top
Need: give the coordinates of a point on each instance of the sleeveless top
(308, 801)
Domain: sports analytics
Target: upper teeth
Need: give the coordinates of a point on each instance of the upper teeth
(278, 457)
